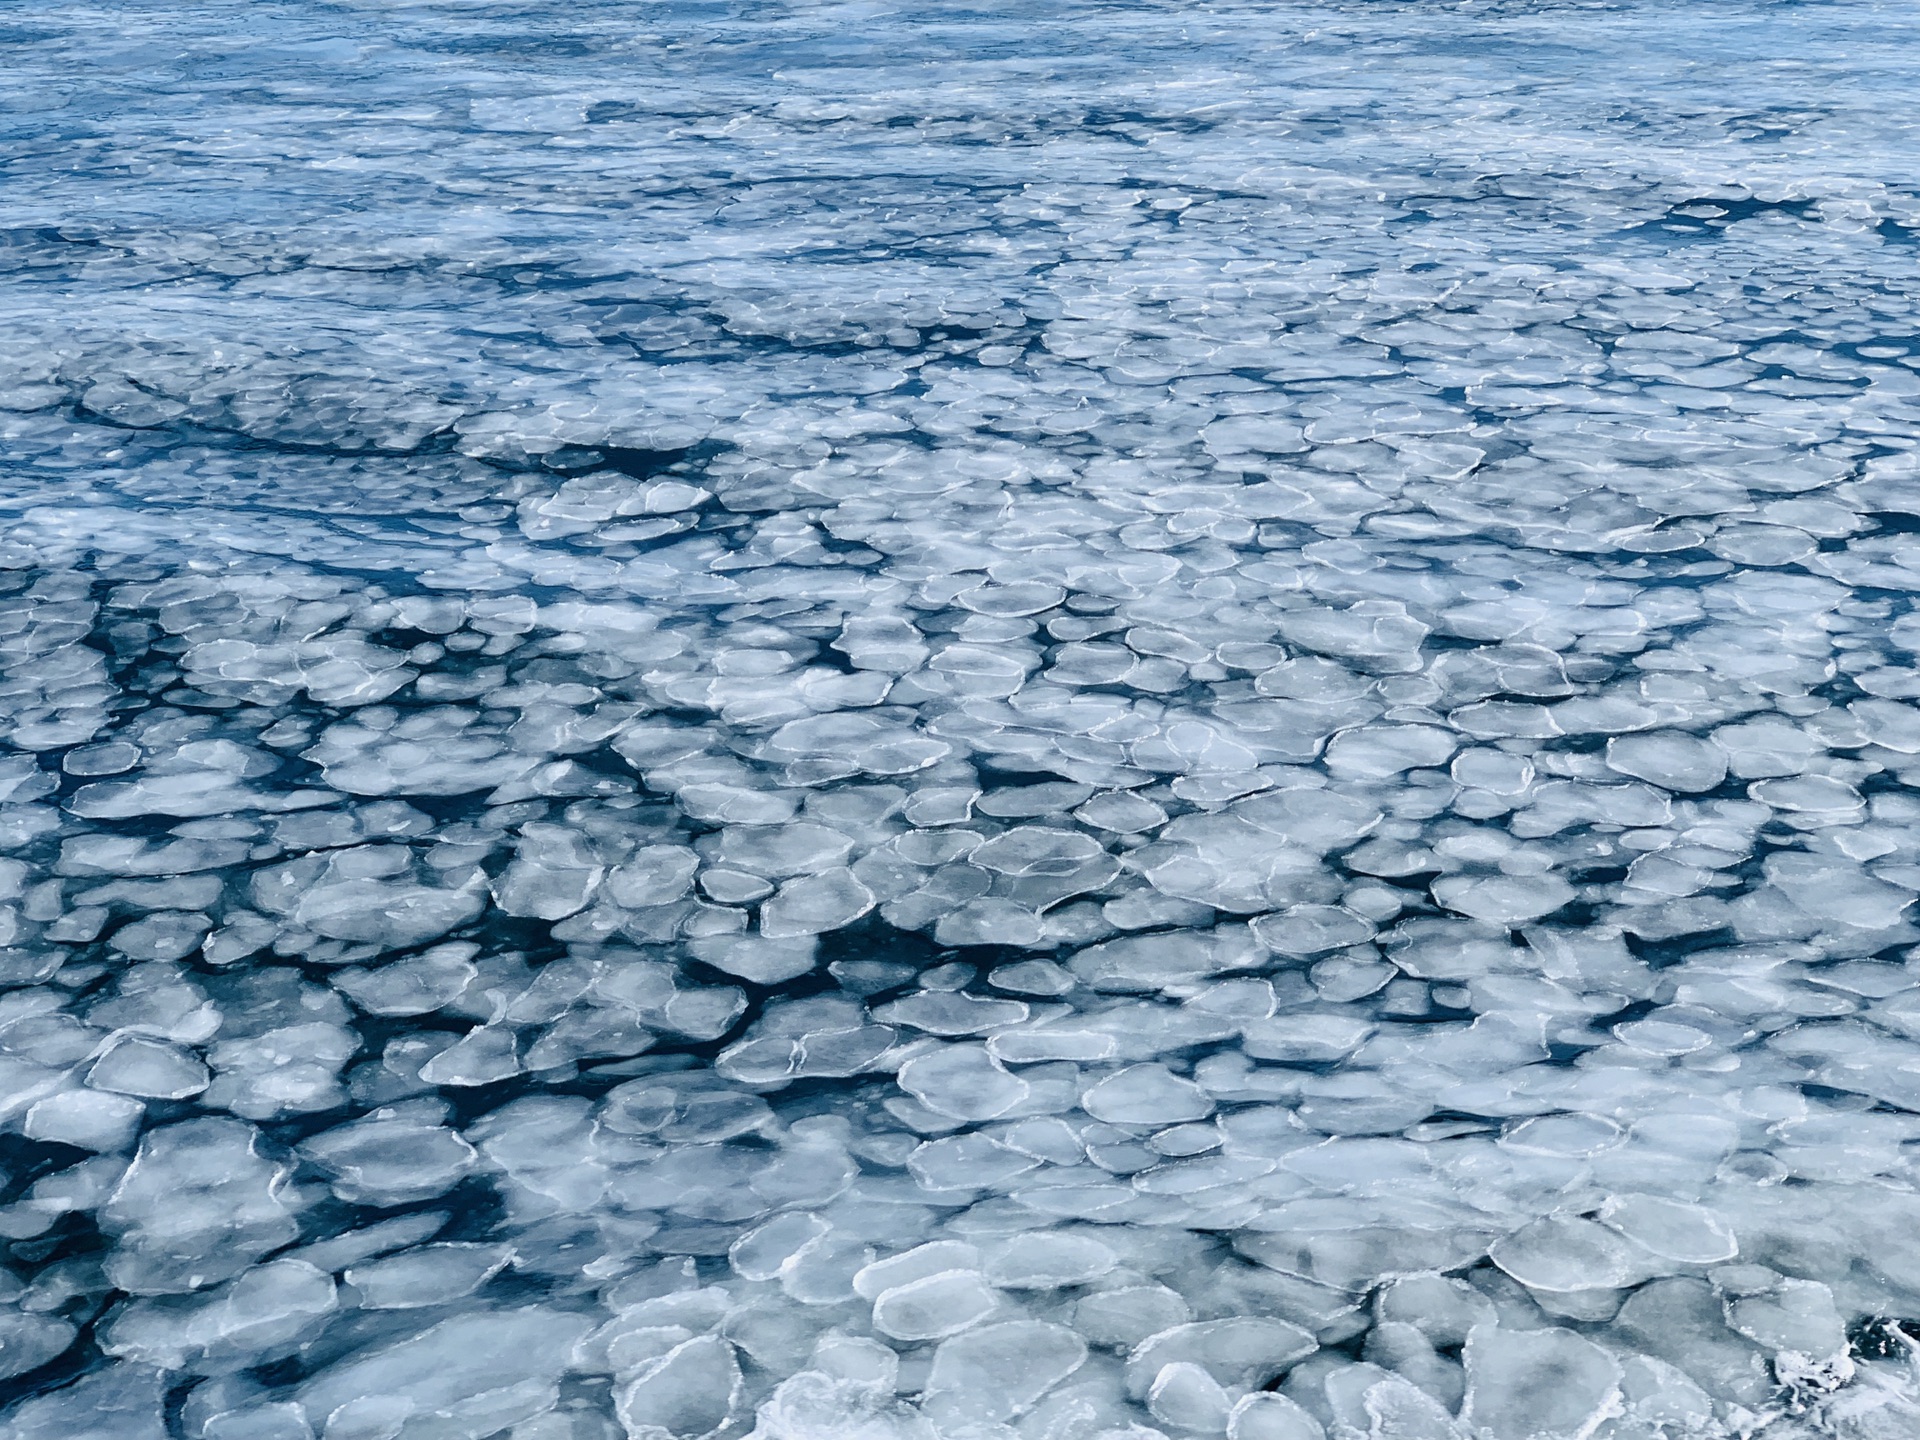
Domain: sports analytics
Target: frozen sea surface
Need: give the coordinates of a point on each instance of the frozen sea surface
(1000, 721)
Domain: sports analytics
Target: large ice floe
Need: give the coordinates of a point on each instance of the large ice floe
(1036, 720)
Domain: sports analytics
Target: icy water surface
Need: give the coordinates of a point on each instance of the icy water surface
(1001, 721)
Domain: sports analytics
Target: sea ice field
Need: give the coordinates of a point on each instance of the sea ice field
(959, 720)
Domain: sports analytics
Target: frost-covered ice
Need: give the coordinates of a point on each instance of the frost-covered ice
(893, 722)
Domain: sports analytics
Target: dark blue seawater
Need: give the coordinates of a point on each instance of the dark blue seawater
(1047, 721)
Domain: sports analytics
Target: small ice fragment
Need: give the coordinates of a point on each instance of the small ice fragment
(1269, 1415)
(286, 1071)
(117, 1402)
(486, 1054)
(1684, 764)
(1530, 1384)
(1316, 820)
(691, 1391)
(758, 958)
(417, 985)
(1305, 1038)
(1377, 634)
(1442, 1309)
(161, 935)
(1689, 1233)
(1147, 1094)
(1243, 1350)
(936, 1257)
(962, 1081)
(1561, 1254)
(653, 875)
(1186, 1397)
(990, 921)
(383, 1236)
(430, 1275)
(951, 1013)
(545, 891)
(252, 1316)
(1573, 1135)
(1031, 977)
(998, 1371)
(28, 1341)
(966, 1162)
(502, 1363)
(1123, 1317)
(1048, 1260)
(149, 1069)
(780, 851)
(814, 904)
(1121, 812)
(1378, 752)
(934, 1306)
(814, 1405)
(1036, 850)
(849, 1357)
(764, 1251)
(1681, 1320)
(1796, 1317)
(393, 916)
(1503, 899)
(1012, 599)
(89, 1119)
(1661, 1037)
(1303, 930)
(199, 1204)
(391, 1158)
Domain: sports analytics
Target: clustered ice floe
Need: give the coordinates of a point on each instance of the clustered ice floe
(1196, 724)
